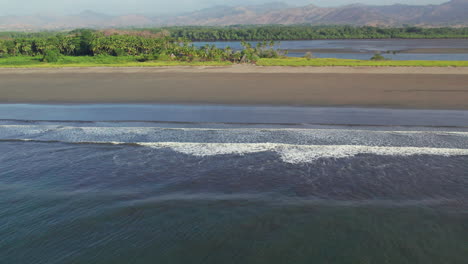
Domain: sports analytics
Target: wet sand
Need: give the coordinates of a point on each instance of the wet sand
(396, 87)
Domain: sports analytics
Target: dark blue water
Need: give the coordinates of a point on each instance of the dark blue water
(210, 184)
(364, 49)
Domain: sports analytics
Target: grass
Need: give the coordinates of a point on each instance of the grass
(111, 61)
(97, 61)
(355, 63)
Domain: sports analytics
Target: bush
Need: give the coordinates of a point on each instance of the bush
(308, 55)
(378, 57)
(146, 57)
(51, 56)
(119, 52)
(163, 57)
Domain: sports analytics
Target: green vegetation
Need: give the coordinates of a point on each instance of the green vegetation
(271, 32)
(305, 32)
(135, 61)
(171, 46)
(378, 57)
(51, 56)
(97, 61)
(42, 34)
(346, 62)
(143, 46)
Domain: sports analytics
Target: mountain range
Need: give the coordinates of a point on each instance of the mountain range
(452, 13)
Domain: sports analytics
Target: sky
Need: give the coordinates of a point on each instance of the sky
(60, 7)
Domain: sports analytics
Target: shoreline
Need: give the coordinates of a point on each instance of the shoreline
(398, 88)
(235, 105)
(404, 51)
(245, 68)
(252, 116)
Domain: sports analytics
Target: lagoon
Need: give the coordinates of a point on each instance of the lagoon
(405, 49)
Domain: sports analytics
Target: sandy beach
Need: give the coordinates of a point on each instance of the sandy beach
(389, 87)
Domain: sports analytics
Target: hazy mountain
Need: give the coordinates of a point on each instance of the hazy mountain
(453, 13)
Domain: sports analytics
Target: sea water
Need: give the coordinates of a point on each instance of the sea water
(78, 185)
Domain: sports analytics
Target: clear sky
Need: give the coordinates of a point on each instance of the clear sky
(13, 7)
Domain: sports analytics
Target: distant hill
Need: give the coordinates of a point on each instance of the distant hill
(452, 13)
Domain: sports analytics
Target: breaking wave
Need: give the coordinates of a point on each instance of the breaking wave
(294, 154)
(291, 145)
(300, 153)
(399, 138)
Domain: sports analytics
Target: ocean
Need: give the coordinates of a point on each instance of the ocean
(232, 184)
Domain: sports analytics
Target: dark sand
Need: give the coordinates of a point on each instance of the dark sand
(366, 87)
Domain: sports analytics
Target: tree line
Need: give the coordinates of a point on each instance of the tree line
(307, 32)
(145, 46)
(175, 43)
(273, 32)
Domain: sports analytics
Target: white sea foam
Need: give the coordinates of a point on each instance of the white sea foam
(300, 153)
(288, 153)
(292, 145)
(238, 135)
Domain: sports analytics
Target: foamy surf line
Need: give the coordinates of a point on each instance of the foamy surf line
(299, 153)
(288, 153)
(431, 139)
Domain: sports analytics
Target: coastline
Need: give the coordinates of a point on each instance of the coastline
(406, 51)
(381, 87)
(88, 62)
(246, 68)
